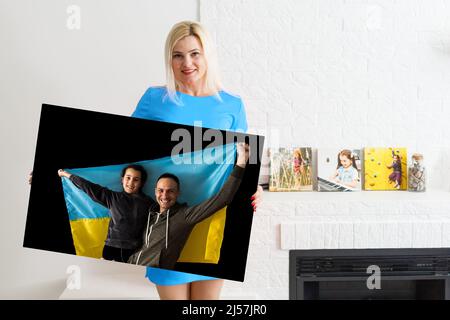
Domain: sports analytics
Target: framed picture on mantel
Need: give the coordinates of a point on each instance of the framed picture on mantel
(291, 169)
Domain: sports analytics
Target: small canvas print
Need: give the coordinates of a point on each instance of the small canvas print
(385, 168)
(339, 169)
(290, 169)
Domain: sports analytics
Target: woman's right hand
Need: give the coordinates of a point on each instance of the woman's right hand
(30, 177)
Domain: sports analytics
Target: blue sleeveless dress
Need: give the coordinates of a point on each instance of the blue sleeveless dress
(228, 113)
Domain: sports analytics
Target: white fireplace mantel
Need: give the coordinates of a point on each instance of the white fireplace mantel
(366, 219)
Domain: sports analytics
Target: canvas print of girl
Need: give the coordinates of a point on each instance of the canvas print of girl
(339, 170)
(385, 168)
(290, 169)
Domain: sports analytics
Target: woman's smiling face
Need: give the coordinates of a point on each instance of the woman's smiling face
(188, 62)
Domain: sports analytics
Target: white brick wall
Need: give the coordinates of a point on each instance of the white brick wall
(340, 72)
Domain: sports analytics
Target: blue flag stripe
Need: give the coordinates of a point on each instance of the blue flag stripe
(202, 173)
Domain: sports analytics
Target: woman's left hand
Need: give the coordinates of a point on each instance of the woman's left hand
(257, 198)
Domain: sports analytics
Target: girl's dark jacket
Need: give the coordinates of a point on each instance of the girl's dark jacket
(128, 213)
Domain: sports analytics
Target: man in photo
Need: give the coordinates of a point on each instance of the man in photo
(170, 223)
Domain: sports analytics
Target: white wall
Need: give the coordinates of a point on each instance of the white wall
(329, 73)
(105, 66)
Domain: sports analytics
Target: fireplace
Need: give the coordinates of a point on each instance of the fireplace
(357, 274)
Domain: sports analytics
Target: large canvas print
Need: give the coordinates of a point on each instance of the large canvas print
(143, 192)
(290, 169)
(339, 169)
(385, 168)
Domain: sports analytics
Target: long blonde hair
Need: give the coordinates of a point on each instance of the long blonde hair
(178, 32)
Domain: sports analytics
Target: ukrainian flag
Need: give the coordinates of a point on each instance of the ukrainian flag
(202, 174)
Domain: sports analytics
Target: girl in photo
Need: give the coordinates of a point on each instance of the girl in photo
(298, 167)
(396, 175)
(346, 172)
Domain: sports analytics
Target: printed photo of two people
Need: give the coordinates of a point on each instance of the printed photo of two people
(143, 192)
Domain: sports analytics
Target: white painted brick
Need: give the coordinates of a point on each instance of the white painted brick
(279, 254)
(405, 234)
(233, 79)
(435, 235)
(356, 87)
(355, 18)
(282, 136)
(433, 90)
(293, 84)
(345, 235)
(375, 235)
(421, 233)
(305, 57)
(361, 235)
(281, 208)
(274, 294)
(261, 238)
(253, 90)
(330, 49)
(260, 264)
(378, 135)
(284, 118)
(232, 287)
(331, 236)
(317, 239)
(379, 18)
(403, 135)
(279, 105)
(330, 8)
(257, 251)
(365, 208)
(354, 135)
(433, 17)
(261, 223)
(279, 280)
(256, 279)
(303, 84)
(330, 84)
(302, 236)
(254, 13)
(320, 72)
(279, 266)
(263, 210)
(321, 208)
(446, 234)
(288, 236)
(390, 235)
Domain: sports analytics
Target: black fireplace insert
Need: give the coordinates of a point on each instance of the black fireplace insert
(356, 274)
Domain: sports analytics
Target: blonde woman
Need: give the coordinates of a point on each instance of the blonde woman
(193, 93)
